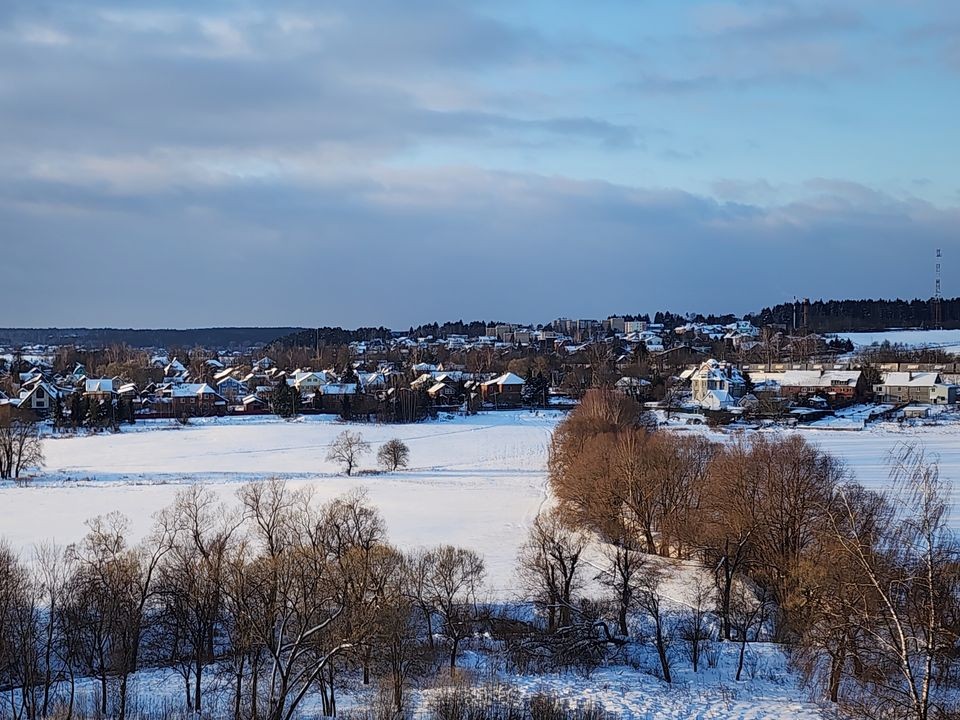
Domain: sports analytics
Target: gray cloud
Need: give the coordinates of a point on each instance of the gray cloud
(237, 163)
(453, 243)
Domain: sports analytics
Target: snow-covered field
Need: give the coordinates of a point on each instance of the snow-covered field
(476, 481)
(948, 340)
(472, 481)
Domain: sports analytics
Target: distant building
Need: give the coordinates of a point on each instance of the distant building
(918, 387)
(717, 383)
(506, 390)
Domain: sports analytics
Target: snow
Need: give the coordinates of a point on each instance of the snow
(476, 481)
(948, 340)
(866, 449)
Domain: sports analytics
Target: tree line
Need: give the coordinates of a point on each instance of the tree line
(862, 315)
(279, 597)
(862, 587)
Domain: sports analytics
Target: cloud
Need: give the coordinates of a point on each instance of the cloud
(313, 161)
(456, 242)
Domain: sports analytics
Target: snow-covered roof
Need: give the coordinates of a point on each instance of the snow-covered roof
(911, 379)
(717, 400)
(191, 389)
(47, 388)
(508, 378)
(808, 378)
(98, 385)
(175, 367)
(631, 382)
(338, 389)
(223, 374)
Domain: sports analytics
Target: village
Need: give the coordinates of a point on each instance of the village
(698, 372)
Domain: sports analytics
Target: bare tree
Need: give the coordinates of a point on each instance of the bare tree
(190, 584)
(694, 627)
(455, 582)
(20, 444)
(20, 663)
(109, 590)
(749, 610)
(393, 454)
(909, 590)
(347, 448)
(651, 601)
(626, 563)
(306, 599)
(550, 567)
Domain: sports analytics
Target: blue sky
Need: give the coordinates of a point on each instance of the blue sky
(318, 162)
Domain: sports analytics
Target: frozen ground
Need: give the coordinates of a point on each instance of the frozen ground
(475, 481)
(866, 452)
(948, 340)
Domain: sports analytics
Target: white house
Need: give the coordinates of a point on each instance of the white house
(720, 378)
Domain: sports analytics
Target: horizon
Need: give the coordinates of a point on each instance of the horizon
(521, 323)
(227, 164)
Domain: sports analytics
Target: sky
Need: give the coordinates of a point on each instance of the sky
(312, 162)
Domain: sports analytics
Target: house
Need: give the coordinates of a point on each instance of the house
(231, 388)
(195, 400)
(505, 390)
(718, 400)
(637, 387)
(128, 391)
(373, 381)
(720, 378)
(174, 369)
(253, 405)
(443, 393)
(40, 397)
(99, 389)
(836, 387)
(306, 381)
(919, 387)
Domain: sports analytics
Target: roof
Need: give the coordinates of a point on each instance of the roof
(632, 382)
(191, 389)
(338, 389)
(808, 378)
(717, 399)
(911, 379)
(507, 378)
(98, 385)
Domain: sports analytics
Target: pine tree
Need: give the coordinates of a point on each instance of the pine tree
(77, 411)
(57, 413)
(95, 414)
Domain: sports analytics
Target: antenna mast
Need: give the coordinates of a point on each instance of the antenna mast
(937, 296)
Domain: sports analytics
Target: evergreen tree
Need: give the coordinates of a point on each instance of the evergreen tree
(77, 411)
(57, 413)
(95, 414)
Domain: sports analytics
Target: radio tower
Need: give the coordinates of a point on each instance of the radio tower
(937, 297)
